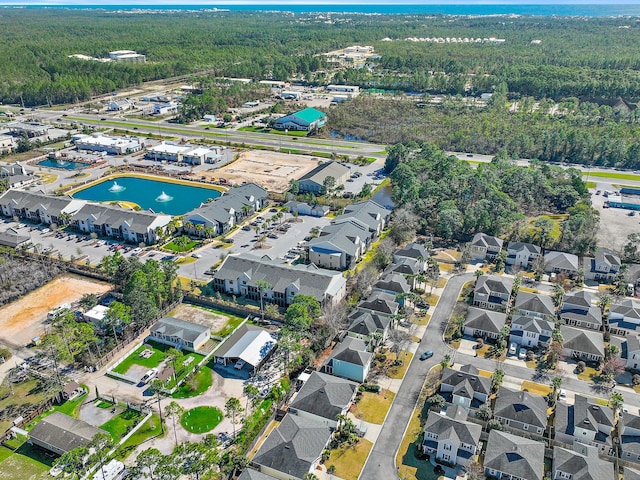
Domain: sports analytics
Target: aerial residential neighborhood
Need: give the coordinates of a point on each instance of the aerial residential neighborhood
(308, 245)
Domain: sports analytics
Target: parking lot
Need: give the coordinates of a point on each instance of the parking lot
(67, 243)
(245, 241)
(371, 174)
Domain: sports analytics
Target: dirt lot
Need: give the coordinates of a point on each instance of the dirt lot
(200, 316)
(24, 319)
(271, 170)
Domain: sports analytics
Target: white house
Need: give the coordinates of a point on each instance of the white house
(450, 437)
(522, 254)
(584, 422)
(485, 246)
(531, 331)
(180, 333)
(465, 386)
(492, 292)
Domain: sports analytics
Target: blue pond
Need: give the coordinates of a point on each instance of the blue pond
(62, 164)
(159, 196)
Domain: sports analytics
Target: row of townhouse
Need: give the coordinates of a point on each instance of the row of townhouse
(341, 244)
(226, 211)
(582, 431)
(295, 447)
(603, 267)
(533, 318)
(107, 220)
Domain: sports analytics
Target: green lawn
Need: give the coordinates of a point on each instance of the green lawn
(26, 463)
(348, 460)
(197, 385)
(201, 419)
(122, 423)
(373, 407)
(616, 175)
(72, 407)
(23, 393)
(150, 429)
(135, 359)
(173, 247)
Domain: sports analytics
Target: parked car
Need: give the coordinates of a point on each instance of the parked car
(562, 395)
(513, 348)
(196, 255)
(427, 354)
(522, 353)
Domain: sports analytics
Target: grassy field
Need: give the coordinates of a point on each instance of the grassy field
(173, 247)
(555, 231)
(122, 423)
(150, 429)
(616, 175)
(26, 463)
(201, 419)
(373, 407)
(197, 385)
(398, 372)
(23, 393)
(135, 359)
(536, 388)
(348, 460)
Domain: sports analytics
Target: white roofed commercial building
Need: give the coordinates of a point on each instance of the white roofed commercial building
(98, 142)
(130, 56)
(249, 344)
(174, 152)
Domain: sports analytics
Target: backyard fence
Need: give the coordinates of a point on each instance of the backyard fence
(235, 309)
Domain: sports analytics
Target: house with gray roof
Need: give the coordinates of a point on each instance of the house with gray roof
(514, 458)
(534, 305)
(521, 410)
(250, 474)
(350, 359)
(484, 323)
(582, 344)
(369, 213)
(180, 334)
(485, 247)
(339, 246)
(531, 332)
(631, 351)
(492, 292)
(581, 465)
(60, 433)
(450, 437)
(629, 427)
(584, 422)
(12, 238)
(465, 387)
(364, 324)
(561, 262)
(393, 284)
(603, 267)
(239, 273)
(624, 317)
(409, 267)
(293, 449)
(113, 221)
(380, 302)
(313, 181)
(247, 347)
(302, 208)
(522, 254)
(227, 210)
(578, 311)
(37, 207)
(323, 397)
(414, 251)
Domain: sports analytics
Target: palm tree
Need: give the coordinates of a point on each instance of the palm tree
(199, 229)
(262, 286)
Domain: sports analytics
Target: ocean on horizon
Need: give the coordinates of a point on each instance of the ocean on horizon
(546, 10)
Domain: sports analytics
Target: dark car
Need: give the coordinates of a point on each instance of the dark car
(427, 354)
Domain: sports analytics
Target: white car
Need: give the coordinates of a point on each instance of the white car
(522, 353)
(562, 395)
(513, 349)
(196, 255)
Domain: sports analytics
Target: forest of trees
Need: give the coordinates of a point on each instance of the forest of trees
(576, 57)
(578, 132)
(447, 197)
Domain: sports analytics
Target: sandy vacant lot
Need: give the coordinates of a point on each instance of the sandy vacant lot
(25, 318)
(271, 170)
(200, 316)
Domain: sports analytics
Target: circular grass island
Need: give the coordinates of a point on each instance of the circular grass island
(201, 419)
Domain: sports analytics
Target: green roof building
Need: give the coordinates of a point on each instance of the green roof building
(305, 120)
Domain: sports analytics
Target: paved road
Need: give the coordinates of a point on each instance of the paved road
(381, 463)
